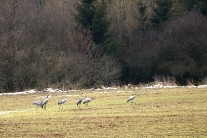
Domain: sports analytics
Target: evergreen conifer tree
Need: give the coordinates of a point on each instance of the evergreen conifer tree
(92, 15)
(200, 5)
(143, 16)
(162, 12)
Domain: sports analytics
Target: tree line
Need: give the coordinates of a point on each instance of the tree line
(87, 43)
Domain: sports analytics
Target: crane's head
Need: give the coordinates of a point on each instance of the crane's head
(48, 96)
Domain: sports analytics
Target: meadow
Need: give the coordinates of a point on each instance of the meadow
(177, 112)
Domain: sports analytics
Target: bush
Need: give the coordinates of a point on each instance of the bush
(183, 47)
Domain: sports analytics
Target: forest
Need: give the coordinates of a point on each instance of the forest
(75, 44)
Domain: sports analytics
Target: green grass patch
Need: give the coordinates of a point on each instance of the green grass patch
(179, 112)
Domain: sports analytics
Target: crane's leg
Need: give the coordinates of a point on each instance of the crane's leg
(61, 106)
(131, 102)
(45, 106)
(37, 107)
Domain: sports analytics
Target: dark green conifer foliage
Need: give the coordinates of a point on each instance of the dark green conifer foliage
(200, 5)
(92, 15)
(143, 17)
(86, 11)
(162, 12)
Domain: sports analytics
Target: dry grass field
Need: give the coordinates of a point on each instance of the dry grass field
(178, 112)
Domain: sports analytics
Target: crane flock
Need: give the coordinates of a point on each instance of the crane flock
(87, 100)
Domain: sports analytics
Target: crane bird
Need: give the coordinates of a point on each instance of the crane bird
(62, 101)
(87, 100)
(38, 103)
(131, 98)
(79, 100)
(42, 103)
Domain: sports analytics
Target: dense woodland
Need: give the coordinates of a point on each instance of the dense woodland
(75, 44)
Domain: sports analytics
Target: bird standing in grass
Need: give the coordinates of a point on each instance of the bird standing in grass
(42, 103)
(79, 100)
(87, 100)
(62, 101)
(38, 103)
(131, 98)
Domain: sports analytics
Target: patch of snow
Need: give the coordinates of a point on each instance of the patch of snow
(170, 86)
(202, 86)
(15, 93)
(191, 86)
(160, 85)
(32, 91)
(54, 90)
(108, 88)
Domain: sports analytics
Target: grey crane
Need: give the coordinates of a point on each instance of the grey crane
(42, 103)
(131, 98)
(79, 100)
(87, 100)
(38, 103)
(62, 101)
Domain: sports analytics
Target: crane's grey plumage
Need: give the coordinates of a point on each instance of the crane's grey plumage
(79, 100)
(42, 104)
(62, 101)
(87, 100)
(38, 103)
(131, 98)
